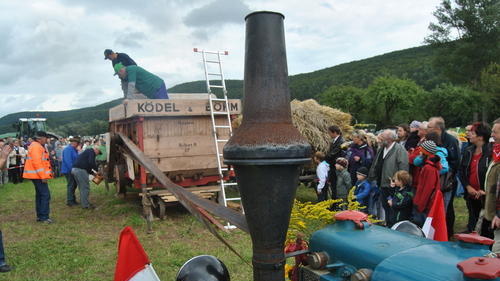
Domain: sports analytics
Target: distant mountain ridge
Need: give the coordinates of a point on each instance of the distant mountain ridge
(57, 118)
(414, 63)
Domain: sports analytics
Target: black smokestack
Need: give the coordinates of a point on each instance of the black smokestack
(266, 150)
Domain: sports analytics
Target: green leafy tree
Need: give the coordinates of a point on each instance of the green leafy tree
(391, 100)
(467, 36)
(490, 85)
(346, 98)
(97, 127)
(456, 104)
(77, 128)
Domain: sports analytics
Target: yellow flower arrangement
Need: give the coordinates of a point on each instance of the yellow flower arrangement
(307, 217)
(288, 269)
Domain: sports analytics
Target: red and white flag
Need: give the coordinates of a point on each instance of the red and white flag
(435, 224)
(133, 263)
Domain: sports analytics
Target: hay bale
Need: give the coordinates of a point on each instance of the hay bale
(312, 120)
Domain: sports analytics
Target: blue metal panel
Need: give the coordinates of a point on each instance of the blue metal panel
(428, 262)
(392, 255)
(362, 248)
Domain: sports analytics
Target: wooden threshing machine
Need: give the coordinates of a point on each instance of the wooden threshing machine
(177, 134)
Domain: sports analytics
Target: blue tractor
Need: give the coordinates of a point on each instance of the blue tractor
(353, 249)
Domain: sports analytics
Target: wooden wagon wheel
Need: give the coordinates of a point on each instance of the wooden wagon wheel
(161, 208)
(120, 181)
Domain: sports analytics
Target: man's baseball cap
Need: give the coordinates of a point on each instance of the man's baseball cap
(107, 52)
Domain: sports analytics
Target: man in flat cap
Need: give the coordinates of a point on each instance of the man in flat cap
(84, 166)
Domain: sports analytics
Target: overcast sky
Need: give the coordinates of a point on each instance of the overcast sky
(52, 50)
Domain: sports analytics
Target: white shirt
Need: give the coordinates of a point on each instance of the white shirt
(387, 149)
(322, 174)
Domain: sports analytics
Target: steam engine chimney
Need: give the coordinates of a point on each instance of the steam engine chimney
(266, 150)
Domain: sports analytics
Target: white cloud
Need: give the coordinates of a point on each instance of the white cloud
(52, 51)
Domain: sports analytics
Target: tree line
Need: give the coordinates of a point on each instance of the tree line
(466, 40)
(77, 128)
(390, 101)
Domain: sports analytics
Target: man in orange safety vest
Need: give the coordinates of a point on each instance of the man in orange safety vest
(37, 169)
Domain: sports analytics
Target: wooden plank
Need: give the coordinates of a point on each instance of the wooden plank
(193, 172)
(178, 147)
(170, 107)
(199, 189)
(117, 113)
(194, 162)
(188, 96)
(180, 136)
(172, 198)
(181, 145)
(186, 198)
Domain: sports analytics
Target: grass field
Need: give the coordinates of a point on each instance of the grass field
(82, 244)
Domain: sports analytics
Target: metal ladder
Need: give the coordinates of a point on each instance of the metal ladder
(214, 58)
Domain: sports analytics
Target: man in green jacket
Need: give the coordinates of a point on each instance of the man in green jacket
(146, 82)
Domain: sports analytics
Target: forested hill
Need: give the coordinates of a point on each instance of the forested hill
(413, 63)
(59, 118)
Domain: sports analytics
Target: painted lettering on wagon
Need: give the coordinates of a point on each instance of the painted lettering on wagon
(187, 146)
(156, 107)
(221, 106)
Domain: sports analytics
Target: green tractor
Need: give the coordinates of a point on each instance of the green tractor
(27, 128)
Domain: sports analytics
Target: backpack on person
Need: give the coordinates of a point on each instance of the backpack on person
(448, 181)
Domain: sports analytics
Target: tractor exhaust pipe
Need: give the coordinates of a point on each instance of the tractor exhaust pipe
(266, 150)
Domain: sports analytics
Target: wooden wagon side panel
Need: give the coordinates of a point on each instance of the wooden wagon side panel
(182, 143)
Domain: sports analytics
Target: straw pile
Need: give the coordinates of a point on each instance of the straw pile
(312, 120)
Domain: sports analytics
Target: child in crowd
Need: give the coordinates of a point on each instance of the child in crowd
(441, 152)
(401, 203)
(363, 188)
(322, 174)
(428, 182)
(343, 178)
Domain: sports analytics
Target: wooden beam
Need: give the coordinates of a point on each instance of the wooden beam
(186, 198)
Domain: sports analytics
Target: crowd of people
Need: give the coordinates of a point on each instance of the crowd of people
(397, 173)
(42, 158)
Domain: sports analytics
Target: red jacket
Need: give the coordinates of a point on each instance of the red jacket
(414, 170)
(428, 182)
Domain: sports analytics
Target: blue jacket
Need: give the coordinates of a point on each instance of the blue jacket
(442, 153)
(69, 155)
(362, 192)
